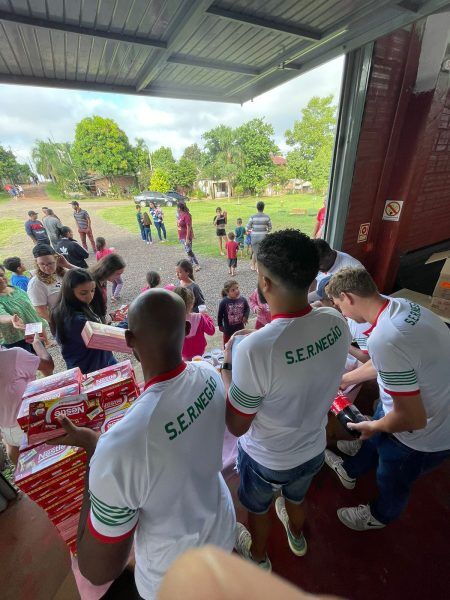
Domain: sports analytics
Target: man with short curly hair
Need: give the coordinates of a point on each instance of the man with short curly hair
(284, 378)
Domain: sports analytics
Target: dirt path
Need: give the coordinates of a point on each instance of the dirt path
(139, 257)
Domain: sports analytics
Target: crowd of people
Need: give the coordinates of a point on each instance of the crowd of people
(155, 478)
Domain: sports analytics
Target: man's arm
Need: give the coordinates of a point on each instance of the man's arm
(46, 364)
(365, 372)
(408, 414)
(359, 354)
(269, 224)
(99, 561)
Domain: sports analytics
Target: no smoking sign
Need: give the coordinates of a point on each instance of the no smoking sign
(392, 210)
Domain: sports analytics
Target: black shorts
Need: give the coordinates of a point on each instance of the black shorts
(232, 262)
(221, 232)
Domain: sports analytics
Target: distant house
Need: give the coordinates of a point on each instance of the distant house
(212, 188)
(278, 160)
(99, 185)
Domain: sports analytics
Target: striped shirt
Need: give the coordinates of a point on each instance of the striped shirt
(82, 219)
(259, 225)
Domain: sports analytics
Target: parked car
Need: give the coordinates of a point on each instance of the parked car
(178, 197)
(160, 199)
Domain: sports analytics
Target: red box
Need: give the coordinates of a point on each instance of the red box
(43, 462)
(112, 386)
(23, 416)
(47, 485)
(43, 423)
(53, 382)
(113, 417)
(121, 314)
(105, 337)
(47, 496)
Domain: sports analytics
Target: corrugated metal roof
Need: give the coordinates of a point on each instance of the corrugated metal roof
(228, 50)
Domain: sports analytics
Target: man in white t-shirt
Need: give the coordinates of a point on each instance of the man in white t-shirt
(409, 348)
(330, 262)
(17, 368)
(281, 384)
(155, 476)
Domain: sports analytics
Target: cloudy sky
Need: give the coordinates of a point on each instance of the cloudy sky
(30, 113)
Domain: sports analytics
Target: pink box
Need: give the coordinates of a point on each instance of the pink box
(24, 411)
(43, 423)
(53, 382)
(46, 463)
(112, 386)
(31, 329)
(105, 337)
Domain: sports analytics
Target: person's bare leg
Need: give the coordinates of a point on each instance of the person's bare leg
(13, 453)
(297, 515)
(259, 527)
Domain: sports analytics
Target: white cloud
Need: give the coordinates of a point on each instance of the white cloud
(30, 113)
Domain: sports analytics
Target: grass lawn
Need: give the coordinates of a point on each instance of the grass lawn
(8, 229)
(279, 208)
(4, 197)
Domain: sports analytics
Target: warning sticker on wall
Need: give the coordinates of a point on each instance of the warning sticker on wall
(363, 233)
(392, 210)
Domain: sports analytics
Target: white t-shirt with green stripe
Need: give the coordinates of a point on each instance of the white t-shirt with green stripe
(357, 331)
(410, 348)
(287, 375)
(156, 473)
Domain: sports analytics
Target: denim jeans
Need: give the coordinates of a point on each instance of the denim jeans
(161, 227)
(147, 234)
(397, 468)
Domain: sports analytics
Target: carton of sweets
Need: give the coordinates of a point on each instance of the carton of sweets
(112, 386)
(31, 329)
(43, 415)
(52, 382)
(121, 314)
(113, 417)
(44, 464)
(23, 415)
(105, 337)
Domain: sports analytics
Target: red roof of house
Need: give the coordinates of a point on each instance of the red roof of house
(278, 160)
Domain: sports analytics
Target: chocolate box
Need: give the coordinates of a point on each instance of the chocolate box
(105, 337)
(23, 415)
(53, 382)
(112, 386)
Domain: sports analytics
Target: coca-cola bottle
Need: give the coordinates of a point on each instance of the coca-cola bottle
(346, 412)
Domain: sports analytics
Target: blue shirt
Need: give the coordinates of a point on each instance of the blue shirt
(20, 281)
(74, 350)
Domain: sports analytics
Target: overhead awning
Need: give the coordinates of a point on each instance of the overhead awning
(227, 50)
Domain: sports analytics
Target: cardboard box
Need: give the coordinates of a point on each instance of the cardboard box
(24, 410)
(440, 300)
(53, 382)
(30, 331)
(113, 417)
(112, 386)
(121, 314)
(44, 461)
(105, 337)
(44, 414)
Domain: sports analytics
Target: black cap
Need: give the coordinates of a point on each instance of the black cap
(75, 203)
(31, 213)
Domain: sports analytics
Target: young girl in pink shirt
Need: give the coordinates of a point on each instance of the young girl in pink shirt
(261, 310)
(102, 250)
(201, 324)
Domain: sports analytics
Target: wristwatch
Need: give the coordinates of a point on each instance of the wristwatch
(226, 367)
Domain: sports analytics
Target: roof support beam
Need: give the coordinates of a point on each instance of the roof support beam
(308, 33)
(205, 63)
(189, 17)
(66, 28)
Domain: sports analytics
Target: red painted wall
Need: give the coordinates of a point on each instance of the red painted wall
(403, 154)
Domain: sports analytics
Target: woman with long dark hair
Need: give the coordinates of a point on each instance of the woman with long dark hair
(68, 318)
(186, 233)
(109, 268)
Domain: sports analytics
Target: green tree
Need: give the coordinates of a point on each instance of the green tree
(101, 147)
(312, 138)
(223, 159)
(195, 155)
(185, 173)
(160, 180)
(256, 143)
(162, 158)
(319, 170)
(8, 164)
(143, 167)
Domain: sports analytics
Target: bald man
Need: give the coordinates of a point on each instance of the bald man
(155, 476)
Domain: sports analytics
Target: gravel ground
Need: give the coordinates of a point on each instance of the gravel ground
(139, 258)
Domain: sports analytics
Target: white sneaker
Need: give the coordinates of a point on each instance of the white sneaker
(297, 545)
(335, 462)
(359, 518)
(349, 447)
(243, 544)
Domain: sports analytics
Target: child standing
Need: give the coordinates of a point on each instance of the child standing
(232, 248)
(233, 310)
(185, 274)
(153, 280)
(240, 235)
(102, 250)
(17, 268)
(261, 309)
(146, 225)
(201, 324)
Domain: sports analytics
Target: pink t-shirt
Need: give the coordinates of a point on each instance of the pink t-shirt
(195, 342)
(264, 316)
(184, 221)
(101, 253)
(17, 368)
